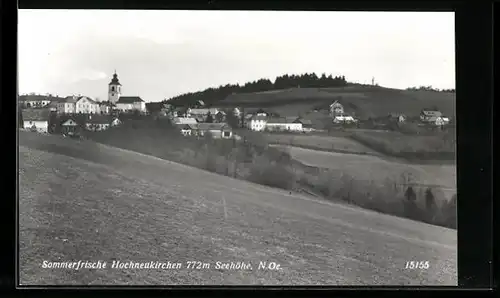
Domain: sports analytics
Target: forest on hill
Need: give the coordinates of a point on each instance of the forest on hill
(212, 95)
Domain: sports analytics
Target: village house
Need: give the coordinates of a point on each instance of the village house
(256, 122)
(430, 116)
(35, 119)
(124, 103)
(85, 105)
(396, 117)
(307, 125)
(36, 100)
(101, 122)
(184, 120)
(440, 121)
(202, 112)
(187, 129)
(69, 126)
(216, 130)
(67, 105)
(283, 124)
(338, 119)
(336, 108)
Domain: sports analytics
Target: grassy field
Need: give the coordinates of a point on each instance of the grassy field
(363, 101)
(414, 147)
(87, 201)
(319, 142)
(371, 169)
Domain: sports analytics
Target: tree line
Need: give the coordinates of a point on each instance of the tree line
(430, 88)
(212, 95)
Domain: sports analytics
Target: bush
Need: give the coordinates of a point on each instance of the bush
(271, 174)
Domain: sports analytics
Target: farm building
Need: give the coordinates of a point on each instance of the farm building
(430, 115)
(186, 129)
(37, 101)
(257, 122)
(130, 104)
(307, 125)
(69, 126)
(283, 124)
(217, 130)
(343, 119)
(36, 119)
(440, 121)
(397, 117)
(336, 108)
(101, 122)
(184, 120)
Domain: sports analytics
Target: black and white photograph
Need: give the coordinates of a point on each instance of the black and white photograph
(263, 148)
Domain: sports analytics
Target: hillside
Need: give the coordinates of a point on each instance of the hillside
(83, 200)
(362, 101)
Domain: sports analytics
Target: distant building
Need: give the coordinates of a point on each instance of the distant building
(202, 112)
(344, 119)
(130, 104)
(283, 124)
(35, 119)
(101, 122)
(124, 103)
(85, 105)
(257, 122)
(397, 117)
(184, 120)
(430, 115)
(336, 108)
(69, 126)
(217, 130)
(307, 125)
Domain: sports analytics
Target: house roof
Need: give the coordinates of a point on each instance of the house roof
(212, 126)
(68, 122)
(129, 99)
(432, 113)
(69, 99)
(184, 126)
(184, 120)
(212, 111)
(336, 103)
(100, 119)
(36, 114)
(276, 120)
(87, 98)
(305, 121)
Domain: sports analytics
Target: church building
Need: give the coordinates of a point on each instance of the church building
(124, 103)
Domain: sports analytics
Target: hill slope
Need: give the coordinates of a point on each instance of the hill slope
(363, 101)
(86, 201)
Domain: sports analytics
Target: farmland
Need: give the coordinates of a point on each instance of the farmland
(84, 200)
(362, 101)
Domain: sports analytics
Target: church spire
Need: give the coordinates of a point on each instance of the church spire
(114, 80)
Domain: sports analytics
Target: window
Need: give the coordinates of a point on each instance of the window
(227, 134)
(112, 88)
(112, 94)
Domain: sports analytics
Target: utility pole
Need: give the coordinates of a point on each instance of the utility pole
(373, 81)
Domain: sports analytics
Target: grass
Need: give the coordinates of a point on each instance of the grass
(412, 147)
(103, 203)
(364, 101)
(254, 160)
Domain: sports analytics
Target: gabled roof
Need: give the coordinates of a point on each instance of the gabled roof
(184, 126)
(69, 122)
(432, 113)
(282, 120)
(336, 103)
(185, 120)
(36, 114)
(259, 118)
(69, 99)
(305, 121)
(87, 98)
(129, 99)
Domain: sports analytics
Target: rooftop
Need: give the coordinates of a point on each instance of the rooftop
(129, 99)
(36, 114)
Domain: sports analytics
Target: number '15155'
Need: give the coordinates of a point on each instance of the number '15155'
(417, 265)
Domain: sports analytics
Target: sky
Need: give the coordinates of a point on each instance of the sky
(161, 54)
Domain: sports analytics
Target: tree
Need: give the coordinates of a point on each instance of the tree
(430, 202)
(209, 118)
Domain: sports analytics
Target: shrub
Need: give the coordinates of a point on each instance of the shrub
(271, 174)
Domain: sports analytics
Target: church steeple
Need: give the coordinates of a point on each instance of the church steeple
(114, 89)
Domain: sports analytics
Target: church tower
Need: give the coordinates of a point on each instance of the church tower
(114, 89)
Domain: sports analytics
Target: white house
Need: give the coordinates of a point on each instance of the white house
(36, 120)
(307, 125)
(184, 120)
(101, 122)
(336, 108)
(187, 129)
(440, 121)
(69, 126)
(257, 123)
(430, 115)
(343, 119)
(85, 105)
(67, 105)
(237, 112)
(130, 104)
(283, 124)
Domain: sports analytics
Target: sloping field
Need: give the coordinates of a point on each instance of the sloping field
(86, 201)
(363, 101)
(373, 168)
(325, 143)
